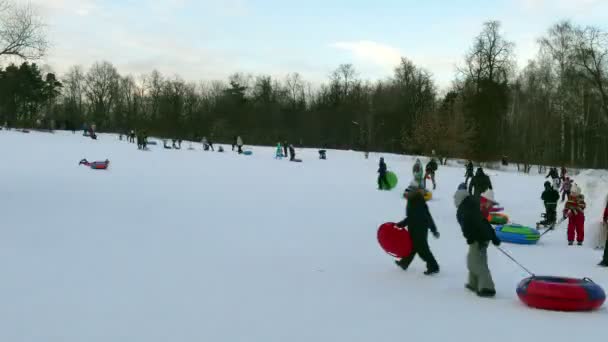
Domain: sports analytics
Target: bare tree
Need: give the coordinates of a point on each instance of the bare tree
(101, 84)
(592, 56)
(491, 57)
(22, 31)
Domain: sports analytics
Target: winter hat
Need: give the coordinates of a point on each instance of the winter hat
(462, 186)
(459, 197)
(489, 196)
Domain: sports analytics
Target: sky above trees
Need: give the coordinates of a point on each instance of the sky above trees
(211, 39)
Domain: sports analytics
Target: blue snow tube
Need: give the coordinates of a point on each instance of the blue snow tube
(518, 234)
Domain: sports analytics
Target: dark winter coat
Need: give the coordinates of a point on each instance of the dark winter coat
(480, 184)
(419, 219)
(382, 168)
(470, 170)
(475, 227)
(553, 174)
(292, 152)
(550, 195)
(431, 167)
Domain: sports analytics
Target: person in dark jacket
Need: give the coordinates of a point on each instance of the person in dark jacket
(472, 213)
(553, 173)
(418, 221)
(285, 148)
(550, 198)
(382, 170)
(469, 173)
(292, 153)
(430, 169)
(604, 262)
(480, 183)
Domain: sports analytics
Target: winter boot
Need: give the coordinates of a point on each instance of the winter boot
(580, 243)
(603, 264)
(486, 293)
(431, 272)
(470, 288)
(570, 243)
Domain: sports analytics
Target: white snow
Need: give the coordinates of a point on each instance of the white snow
(202, 246)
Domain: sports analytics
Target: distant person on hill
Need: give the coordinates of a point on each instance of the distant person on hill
(472, 213)
(292, 153)
(382, 171)
(418, 220)
(279, 151)
(469, 172)
(132, 136)
(239, 144)
(566, 188)
(418, 173)
(234, 142)
(575, 212)
(285, 149)
(431, 168)
(480, 183)
(554, 177)
(550, 197)
(166, 144)
(604, 262)
(563, 174)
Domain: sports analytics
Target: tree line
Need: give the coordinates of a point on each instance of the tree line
(554, 110)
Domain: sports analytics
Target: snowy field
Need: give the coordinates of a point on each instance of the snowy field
(202, 246)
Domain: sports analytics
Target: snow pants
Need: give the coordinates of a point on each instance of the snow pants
(421, 248)
(480, 277)
(550, 213)
(605, 258)
(576, 227)
(382, 182)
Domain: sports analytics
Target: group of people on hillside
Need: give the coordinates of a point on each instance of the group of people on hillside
(474, 201)
(284, 150)
(420, 175)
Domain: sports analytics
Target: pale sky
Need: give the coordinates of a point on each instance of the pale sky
(211, 39)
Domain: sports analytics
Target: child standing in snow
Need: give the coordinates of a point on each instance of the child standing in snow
(419, 221)
(279, 152)
(550, 197)
(469, 172)
(604, 262)
(431, 168)
(418, 173)
(566, 188)
(575, 212)
(382, 170)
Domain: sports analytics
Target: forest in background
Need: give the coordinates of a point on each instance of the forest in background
(553, 111)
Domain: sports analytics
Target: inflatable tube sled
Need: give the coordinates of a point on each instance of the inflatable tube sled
(97, 165)
(427, 194)
(248, 152)
(392, 181)
(152, 142)
(394, 240)
(561, 294)
(498, 218)
(518, 234)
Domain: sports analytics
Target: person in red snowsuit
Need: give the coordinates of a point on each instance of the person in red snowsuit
(575, 212)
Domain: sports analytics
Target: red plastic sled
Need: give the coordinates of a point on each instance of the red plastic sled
(394, 240)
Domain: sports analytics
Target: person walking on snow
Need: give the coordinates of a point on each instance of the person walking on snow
(292, 153)
(575, 212)
(279, 151)
(550, 198)
(418, 220)
(566, 188)
(469, 172)
(604, 262)
(554, 177)
(382, 180)
(563, 174)
(480, 183)
(418, 173)
(431, 168)
(239, 144)
(472, 213)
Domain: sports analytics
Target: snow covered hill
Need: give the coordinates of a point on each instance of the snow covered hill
(202, 246)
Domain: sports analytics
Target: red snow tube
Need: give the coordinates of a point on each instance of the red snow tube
(561, 294)
(99, 165)
(394, 240)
